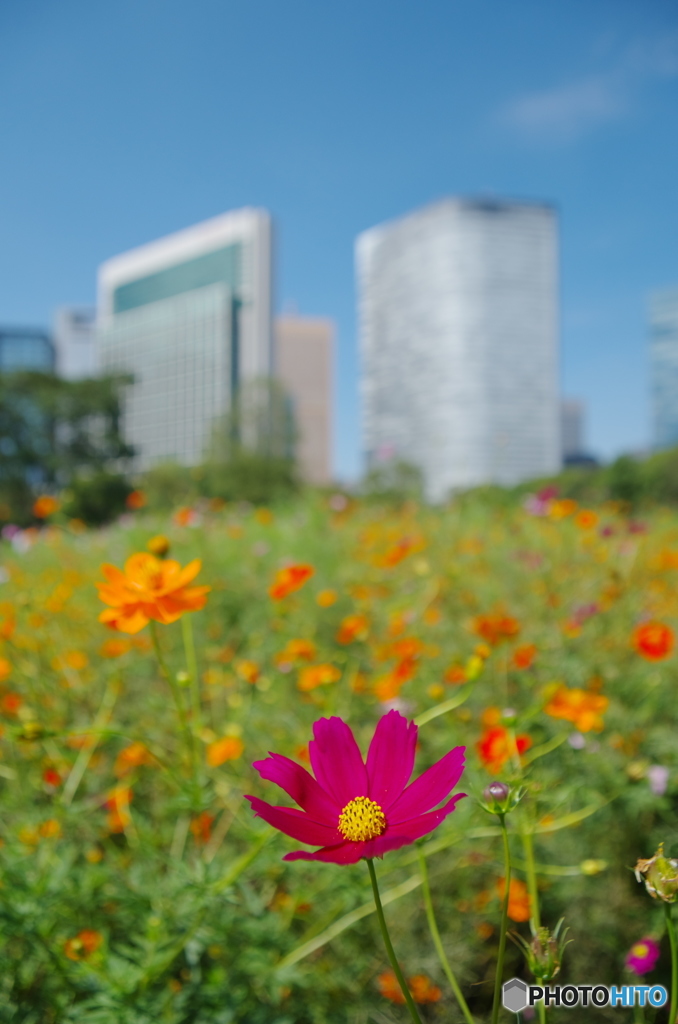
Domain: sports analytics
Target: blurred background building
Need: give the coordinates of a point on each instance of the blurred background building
(458, 307)
(303, 365)
(190, 317)
(25, 348)
(664, 366)
(75, 342)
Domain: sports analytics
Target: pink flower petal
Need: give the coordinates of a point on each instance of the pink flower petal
(417, 827)
(336, 761)
(390, 759)
(295, 823)
(430, 788)
(301, 786)
(343, 853)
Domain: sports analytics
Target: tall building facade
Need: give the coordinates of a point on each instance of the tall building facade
(664, 366)
(25, 348)
(572, 428)
(303, 365)
(458, 309)
(189, 316)
(75, 342)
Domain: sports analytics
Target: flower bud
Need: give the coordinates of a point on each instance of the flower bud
(183, 678)
(660, 875)
(498, 798)
(159, 546)
(544, 953)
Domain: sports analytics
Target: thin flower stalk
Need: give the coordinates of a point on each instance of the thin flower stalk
(504, 923)
(176, 693)
(671, 929)
(437, 941)
(411, 1005)
(192, 668)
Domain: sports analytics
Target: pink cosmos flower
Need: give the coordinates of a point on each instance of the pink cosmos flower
(355, 809)
(642, 956)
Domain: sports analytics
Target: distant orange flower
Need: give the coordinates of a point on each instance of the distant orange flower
(353, 627)
(131, 757)
(326, 598)
(185, 516)
(496, 746)
(51, 777)
(563, 508)
(421, 988)
(294, 651)
(83, 944)
(524, 655)
(653, 640)
(519, 899)
(581, 707)
(45, 506)
(456, 675)
(227, 749)
(135, 500)
(114, 648)
(5, 669)
(117, 804)
(248, 671)
(76, 660)
(149, 589)
(586, 520)
(495, 628)
(289, 579)
(313, 676)
(10, 703)
(201, 827)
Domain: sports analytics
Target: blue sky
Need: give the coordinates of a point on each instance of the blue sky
(121, 122)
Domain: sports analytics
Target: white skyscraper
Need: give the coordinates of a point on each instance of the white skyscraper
(664, 366)
(190, 317)
(458, 307)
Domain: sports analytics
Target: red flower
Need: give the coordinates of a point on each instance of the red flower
(495, 746)
(653, 640)
(354, 809)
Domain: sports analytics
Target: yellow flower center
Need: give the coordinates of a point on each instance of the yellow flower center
(361, 819)
(640, 949)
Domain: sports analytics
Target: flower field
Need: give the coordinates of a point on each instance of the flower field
(137, 883)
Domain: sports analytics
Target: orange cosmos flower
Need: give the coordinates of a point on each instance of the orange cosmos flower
(227, 749)
(524, 656)
(248, 671)
(653, 640)
(353, 627)
(421, 988)
(519, 899)
(10, 703)
(135, 500)
(496, 746)
(117, 804)
(495, 628)
(456, 675)
(131, 757)
(317, 675)
(295, 650)
(289, 579)
(5, 669)
(159, 545)
(83, 944)
(586, 520)
(326, 598)
(149, 589)
(115, 648)
(201, 827)
(45, 506)
(581, 707)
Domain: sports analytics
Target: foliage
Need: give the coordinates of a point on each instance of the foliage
(136, 884)
(97, 499)
(393, 482)
(51, 430)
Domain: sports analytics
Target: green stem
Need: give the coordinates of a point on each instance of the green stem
(176, 692)
(674, 963)
(389, 945)
(437, 942)
(528, 847)
(504, 922)
(192, 667)
(542, 1012)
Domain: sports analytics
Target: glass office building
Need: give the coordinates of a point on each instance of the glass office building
(458, 308)
(22, 348)
(189, 316)
(664, 367)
